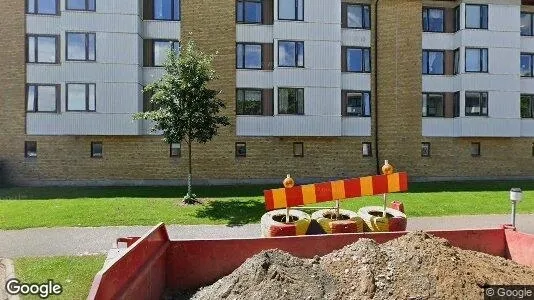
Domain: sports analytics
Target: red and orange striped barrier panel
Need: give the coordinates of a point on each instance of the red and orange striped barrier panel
(335, 190)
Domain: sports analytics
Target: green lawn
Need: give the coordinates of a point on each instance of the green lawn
(234, 205)
(74, 273)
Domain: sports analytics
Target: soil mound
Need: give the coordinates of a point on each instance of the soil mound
(414, 266)
(273, 274)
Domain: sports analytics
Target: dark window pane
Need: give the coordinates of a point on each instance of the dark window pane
(240, 56)
(240, 149)
(160, 51)
(526, 106)
(92, 5)
(298, 149)
(484, 16)
(366, 105)
(472, 16)
(176, 10)
(435, 20)
(300, 54)
(355, 16)
(76, 97)
(473, 60)
(286, 9)
(526, 65)
(425, 149)
(435, 62)
(476, 104)
(239, 13)
(252, 103)
(176, 150)
(30, 98)
(300, 9)
(253, 56)
(46, 98)
(526, 24)
(31, 6)
(76, 46)
(425, 62)
(47, 49)
(76, 4)
(290, 101)
(163, 9)
(354, 60)
(475, 149)
(456, 61)
(433, 105)
(48, 7)
(30, 149)
(287, 54)
(96, 149)
(252, 12)
(456, 104)
(366, 17)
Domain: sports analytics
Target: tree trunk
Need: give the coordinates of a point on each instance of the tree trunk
(189, 174)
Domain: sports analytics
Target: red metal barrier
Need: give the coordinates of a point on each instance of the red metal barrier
(153, 264)
(139, 273)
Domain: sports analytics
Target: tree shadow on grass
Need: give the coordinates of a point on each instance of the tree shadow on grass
(234, 211)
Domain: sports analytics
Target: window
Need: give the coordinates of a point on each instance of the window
(456, 104)
(425, 149)
(81, 97)
(168, 10)
(42, 98)
(291, 101)
(527, 24)
(476, 16)
(456, 66)
(433, 62)
(358, 16)
(42, 7)
(475, 149)
(526, 64)
(298, 149)
(88, 5)
(359, 60)
(30, 149)
(527, 106)
(433, 105)
(240, 149)
(457, 18)
(175, 150)
(42, 49)
(433, 20)
(290, 54)
(476, 103)
(367, 149)
(249, 102)
(160, 48)
(96, 149)
(358, 104)
(249, 11)
(249, 56)
(476, 60)
(81, 46)
(292, 10)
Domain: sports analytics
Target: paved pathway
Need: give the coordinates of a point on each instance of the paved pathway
(79, 241)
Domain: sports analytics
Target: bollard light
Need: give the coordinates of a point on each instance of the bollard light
(516, 195)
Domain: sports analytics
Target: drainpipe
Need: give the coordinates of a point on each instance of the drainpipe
(375, 114)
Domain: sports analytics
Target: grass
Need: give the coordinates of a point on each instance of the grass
(231, 205)
(74, 273)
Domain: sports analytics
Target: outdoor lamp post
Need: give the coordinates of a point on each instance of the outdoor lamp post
(516, 195)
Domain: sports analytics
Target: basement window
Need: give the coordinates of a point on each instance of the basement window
(240, 149)
(30, 149)
(96, 149)
(367, 149)
(475, 149)
(425, 149)
(298, 149)
(175, 150)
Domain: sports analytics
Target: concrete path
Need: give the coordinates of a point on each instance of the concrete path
(80, 241)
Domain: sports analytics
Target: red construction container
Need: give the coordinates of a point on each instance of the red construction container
(153, 263)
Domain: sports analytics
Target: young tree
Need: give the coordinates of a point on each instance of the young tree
(182, 105)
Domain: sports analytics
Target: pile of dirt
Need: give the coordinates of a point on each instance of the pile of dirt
(414, 266)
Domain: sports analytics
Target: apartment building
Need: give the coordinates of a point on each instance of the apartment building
(319, 89)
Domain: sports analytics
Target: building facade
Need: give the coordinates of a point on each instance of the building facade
(319, 89)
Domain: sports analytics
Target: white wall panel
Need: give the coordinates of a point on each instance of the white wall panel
(488, 82)
(527, 127)
(82, 72)
(527, 85)
(82, 21)
(356, 81)
(284, 30)
(322, 102)
(444, 127)
(153, 29)
(494, 127)
(295, 77)
(253, 33)
(440, 83)
(503, 17)
(322, 55)
(356, 37)
(320, 11)
(151, 74)
(487, 38)
(504, 104)
(254, 79)
(352, 126)
(527, 44)
(440, 41)
(502, 62)
(73, 123)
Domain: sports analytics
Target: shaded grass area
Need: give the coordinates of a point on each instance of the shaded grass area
(74, 273)
(230, 205)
